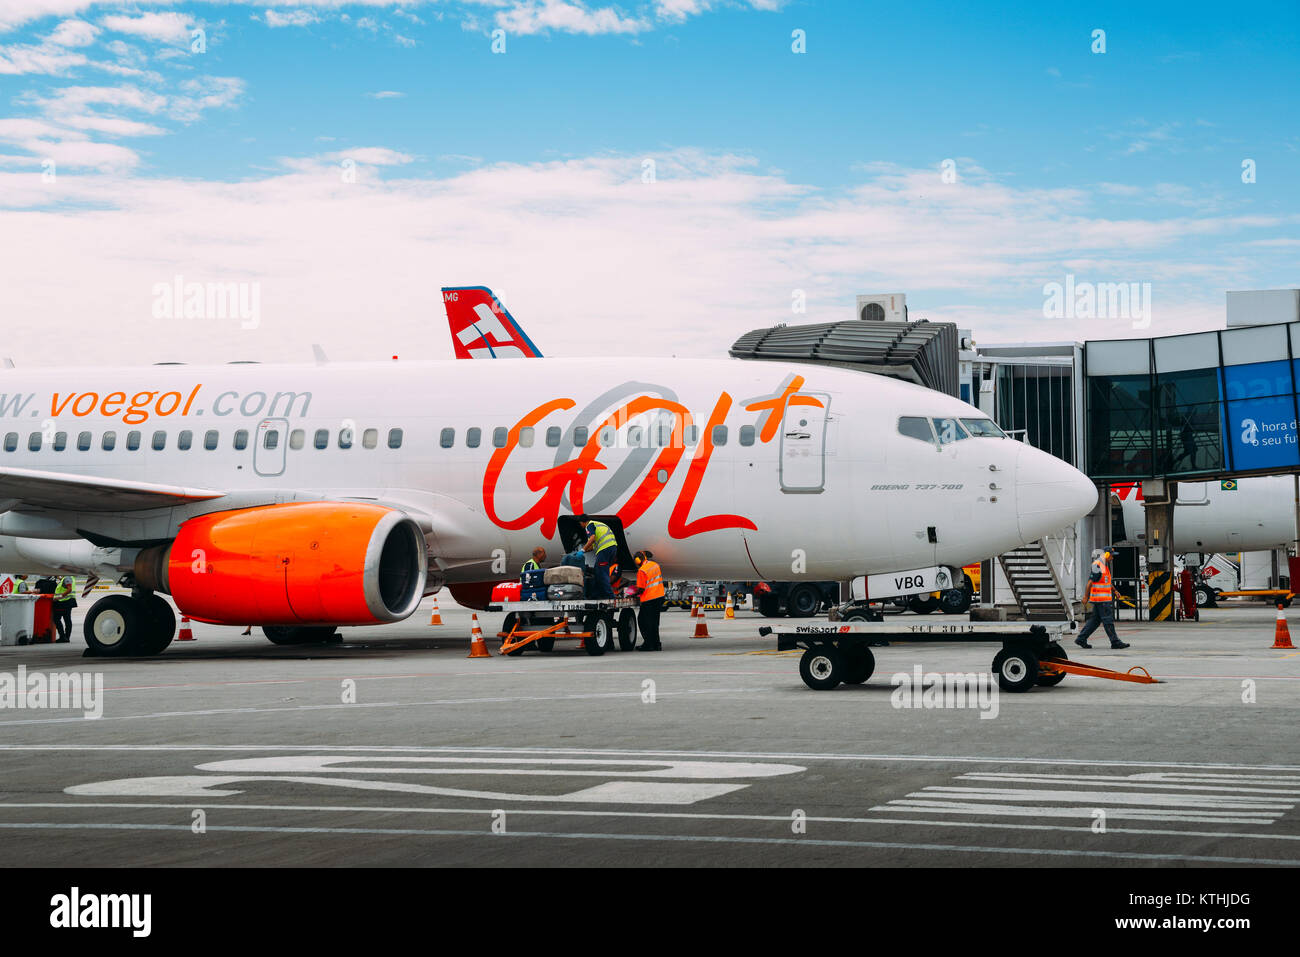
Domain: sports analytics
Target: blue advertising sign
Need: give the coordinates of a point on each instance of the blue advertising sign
(1262, 433)
(1257, 379)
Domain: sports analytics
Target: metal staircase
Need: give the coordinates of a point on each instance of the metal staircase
(1034, 583)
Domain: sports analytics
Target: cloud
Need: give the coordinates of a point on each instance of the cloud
(538, 16)
(294, 18)
(710, 249)
(159, 27)
(385, 95)
(74, 33)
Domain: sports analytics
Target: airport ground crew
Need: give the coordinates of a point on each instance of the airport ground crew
(650, 590)
(65, 599)
(535, 563)
(20, 585)
(602, 541)
(1102, 596)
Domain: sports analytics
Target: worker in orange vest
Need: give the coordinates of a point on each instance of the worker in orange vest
(650, 589)
(1102, 596)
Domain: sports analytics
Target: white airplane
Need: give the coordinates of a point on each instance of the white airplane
(303, 498)
(1258, 515)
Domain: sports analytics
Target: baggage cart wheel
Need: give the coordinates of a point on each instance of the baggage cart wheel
(601, 628)
(1054, 650)
(626, 629)
(821, 668)
(1016, 668)
(859, 662)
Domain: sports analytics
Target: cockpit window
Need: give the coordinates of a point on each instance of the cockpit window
(981, 428)
(949, 430)
(915, 427)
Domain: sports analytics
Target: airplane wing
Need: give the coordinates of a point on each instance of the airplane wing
(86, 493)
(482, 328)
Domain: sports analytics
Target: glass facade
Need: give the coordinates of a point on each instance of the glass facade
(1037, 400)
(1206, 403)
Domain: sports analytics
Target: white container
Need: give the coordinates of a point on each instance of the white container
(17, 617)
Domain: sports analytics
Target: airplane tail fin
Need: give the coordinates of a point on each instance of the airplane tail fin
(482, 328)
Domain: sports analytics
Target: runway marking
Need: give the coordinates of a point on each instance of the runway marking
(1239, 799)
(651, 815)
(676, 838)
(378, 704)
(629, 752)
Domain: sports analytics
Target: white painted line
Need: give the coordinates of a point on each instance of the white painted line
(693, 816)
(1112, 779)
(1133, 813)
(754, 755)
(1093, 798)
(485, 834)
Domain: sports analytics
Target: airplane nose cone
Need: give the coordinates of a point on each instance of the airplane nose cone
(1050, 493)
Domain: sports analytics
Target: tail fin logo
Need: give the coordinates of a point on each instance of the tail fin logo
(482, 328)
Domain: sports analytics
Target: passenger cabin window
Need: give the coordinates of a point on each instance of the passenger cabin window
(297, 439)
(322, 439)
(133, 440)
(915, 427)
(34, 442)
(448, 438)
(692, 436)
(370, 438)
(473, 438)
(241, 439)
(607, 437)
(345, 438)
(210, 439)
(663, 435)
(719, 435)
(746, 435)
(949, 430)
(635, 436)
(499, 436)
(11, 441)
(271, 440)
(553, 435)
(395, 438)
(83, 441)
(184, 440)
(580, 436)
(159, 441)
(60, 441)
(526, 434)
(109, 441)
(983, 428)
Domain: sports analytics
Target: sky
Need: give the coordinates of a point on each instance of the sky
(652, 177)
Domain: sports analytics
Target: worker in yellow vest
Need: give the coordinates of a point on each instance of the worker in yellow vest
(1102, 597)
(537, 561)
(650, 590)
(65, 599)
(604, 543)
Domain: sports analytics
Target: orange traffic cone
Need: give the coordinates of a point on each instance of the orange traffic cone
(436, 618)
(731, 607)
(1281, 635)
(702, 628)
(477, 646)
(187, 633)
(695, 608)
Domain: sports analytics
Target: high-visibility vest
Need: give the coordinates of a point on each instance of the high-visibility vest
(64, 592)
(1100, 591)
(605, 537)
(20, 588)
(531, 566)
(649, 578)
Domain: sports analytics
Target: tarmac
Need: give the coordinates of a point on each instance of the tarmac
(392, 747)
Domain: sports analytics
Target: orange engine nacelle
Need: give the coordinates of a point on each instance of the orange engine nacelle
(309, 563)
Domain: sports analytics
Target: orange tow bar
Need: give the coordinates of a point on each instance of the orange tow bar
(1053, 666)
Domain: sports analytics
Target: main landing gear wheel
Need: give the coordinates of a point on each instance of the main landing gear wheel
(955, 601)
(162, 624)
(601, 628)
(1054, 650)
(821, 668)
(118, 626)
(804, 601)
(769, 606)
(296, 634)
(1016, 668)
(859, 662)
(508, 626)
(1205, 597)
(626, 629)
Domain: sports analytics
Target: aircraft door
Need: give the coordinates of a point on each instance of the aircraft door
(803, 445)
(269, 446)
